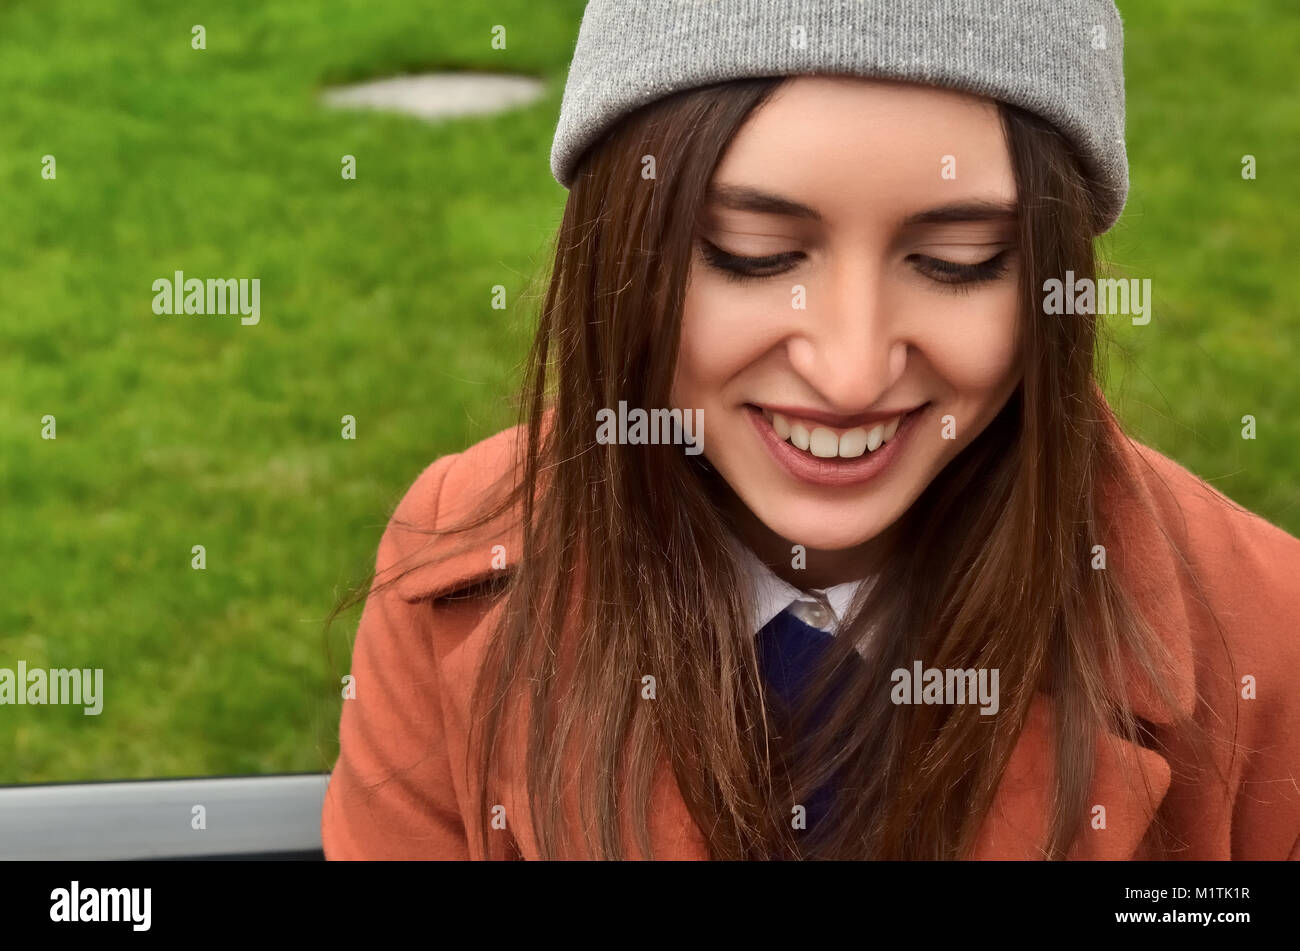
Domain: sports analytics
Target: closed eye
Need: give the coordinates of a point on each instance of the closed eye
(962, 276)
(742, 268)
(738, 267)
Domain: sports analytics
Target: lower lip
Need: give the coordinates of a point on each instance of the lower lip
(806, 467)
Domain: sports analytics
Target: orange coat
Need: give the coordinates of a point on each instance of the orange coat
(394, 794)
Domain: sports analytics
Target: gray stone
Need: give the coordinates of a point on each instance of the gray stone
(439, 95)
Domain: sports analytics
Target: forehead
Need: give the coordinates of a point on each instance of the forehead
(852, 147)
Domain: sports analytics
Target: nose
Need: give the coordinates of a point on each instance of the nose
(848, 343)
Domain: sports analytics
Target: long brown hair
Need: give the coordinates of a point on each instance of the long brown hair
(992, 569)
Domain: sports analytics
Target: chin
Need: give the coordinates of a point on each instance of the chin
(824, 537)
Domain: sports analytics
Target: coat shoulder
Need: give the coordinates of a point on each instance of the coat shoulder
(1244, 568)
(435, 547)
(1221, 535)
(1229, 579)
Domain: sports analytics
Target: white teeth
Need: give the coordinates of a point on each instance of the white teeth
(823, 443)
(827, 444)
(853, 443)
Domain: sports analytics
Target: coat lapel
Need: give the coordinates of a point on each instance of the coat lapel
(1129, 783)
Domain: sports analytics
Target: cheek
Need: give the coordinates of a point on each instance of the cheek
(717, 340)
(975, 351)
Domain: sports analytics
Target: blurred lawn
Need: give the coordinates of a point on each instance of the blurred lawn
(180, 431)
(1208, 83)
(177, 431)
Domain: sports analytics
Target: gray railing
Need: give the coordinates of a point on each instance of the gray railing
(234, 817)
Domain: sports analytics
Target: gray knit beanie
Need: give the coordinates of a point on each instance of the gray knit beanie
(1060, 59)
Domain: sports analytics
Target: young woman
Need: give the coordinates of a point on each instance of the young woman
(818, 538)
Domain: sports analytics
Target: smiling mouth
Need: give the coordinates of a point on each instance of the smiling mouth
(827, 442)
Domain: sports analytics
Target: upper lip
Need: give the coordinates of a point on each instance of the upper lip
(835, 420)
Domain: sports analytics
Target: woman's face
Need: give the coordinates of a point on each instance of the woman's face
(857, 263)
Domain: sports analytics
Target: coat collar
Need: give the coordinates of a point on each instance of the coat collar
(450, 491)
(1129, 781)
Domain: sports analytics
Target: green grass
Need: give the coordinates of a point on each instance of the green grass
(1207, 84)
(176, 431)
(180, 431)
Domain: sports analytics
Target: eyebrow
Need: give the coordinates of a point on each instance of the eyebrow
(973, 210)
(747, 198)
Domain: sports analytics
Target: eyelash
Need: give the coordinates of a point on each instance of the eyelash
(957, 277)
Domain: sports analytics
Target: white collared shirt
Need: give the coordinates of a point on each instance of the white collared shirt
(822, 608)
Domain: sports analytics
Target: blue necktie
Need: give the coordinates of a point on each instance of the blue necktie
(788, 650)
